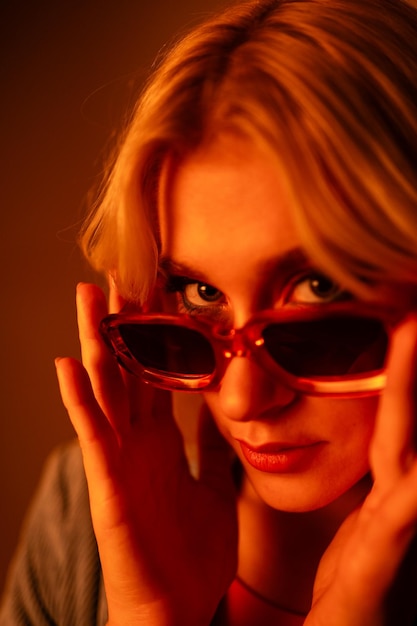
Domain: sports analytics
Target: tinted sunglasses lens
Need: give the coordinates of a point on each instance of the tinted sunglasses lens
(169, 349)
(334, 346)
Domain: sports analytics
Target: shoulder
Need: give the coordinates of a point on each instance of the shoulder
(60, 508)
(63, 487)
(56, 576)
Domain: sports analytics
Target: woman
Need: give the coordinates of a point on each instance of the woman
(258, 229)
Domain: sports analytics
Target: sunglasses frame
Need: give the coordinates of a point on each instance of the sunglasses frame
(248, 342)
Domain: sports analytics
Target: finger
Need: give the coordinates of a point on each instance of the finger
(100, 444)
(91, 308)
(384, 531)
(161, 421)
(393, 445)
(215, 456)
(94, 431)
(161, 404)
(103, 370)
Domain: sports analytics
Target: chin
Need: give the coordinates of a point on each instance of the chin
(298, 494)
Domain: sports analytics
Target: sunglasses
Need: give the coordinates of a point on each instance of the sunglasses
(334, 350)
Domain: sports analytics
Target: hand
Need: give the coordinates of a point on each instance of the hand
(167, 542)
(368, 575)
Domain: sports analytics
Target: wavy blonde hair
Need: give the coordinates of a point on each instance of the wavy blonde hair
(330, 86)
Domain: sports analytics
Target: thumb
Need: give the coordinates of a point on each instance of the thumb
(216, 456)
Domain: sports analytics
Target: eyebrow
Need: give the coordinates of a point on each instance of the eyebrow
(283, 263)
(169, 267)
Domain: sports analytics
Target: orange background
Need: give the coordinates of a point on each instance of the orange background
(68, 71)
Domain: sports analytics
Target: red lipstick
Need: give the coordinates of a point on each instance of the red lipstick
(281, 457)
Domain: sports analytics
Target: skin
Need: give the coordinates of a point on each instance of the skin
(215, 192)
(319, 536)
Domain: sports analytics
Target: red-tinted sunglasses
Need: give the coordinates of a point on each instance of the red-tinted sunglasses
(332, 350)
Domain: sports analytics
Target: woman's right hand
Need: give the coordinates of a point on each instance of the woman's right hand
(167, 542)
(368, 574)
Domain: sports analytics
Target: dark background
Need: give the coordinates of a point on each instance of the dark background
(68, 71)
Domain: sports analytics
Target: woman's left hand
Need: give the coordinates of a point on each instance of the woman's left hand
(368, 575)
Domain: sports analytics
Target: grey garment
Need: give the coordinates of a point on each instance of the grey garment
(55, 577)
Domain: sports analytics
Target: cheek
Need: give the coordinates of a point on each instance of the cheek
(347, 426)
(351, 423)
(345, 461)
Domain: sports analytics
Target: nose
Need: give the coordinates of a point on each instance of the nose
(247, 391)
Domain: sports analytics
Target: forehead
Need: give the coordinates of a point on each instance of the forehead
(225, 202)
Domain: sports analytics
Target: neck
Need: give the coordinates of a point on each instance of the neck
(279, 552)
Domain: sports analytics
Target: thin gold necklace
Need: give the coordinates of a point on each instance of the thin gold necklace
(275, 605)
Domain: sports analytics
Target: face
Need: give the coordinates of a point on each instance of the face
(233, 250)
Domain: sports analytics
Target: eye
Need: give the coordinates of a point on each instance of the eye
(195, 297)
(201, 295)
(315, 289)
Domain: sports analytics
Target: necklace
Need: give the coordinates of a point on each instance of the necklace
(262, 598)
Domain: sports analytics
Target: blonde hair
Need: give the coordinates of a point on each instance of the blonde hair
(330, 86)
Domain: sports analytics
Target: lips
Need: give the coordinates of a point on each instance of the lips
(277, 447)
(281, 457)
